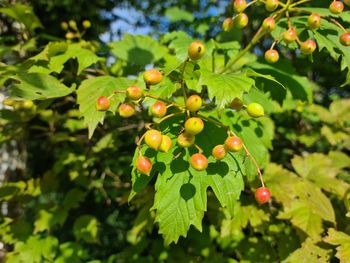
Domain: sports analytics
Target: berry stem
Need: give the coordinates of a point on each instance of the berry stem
(251, 3)
(289, 20)
(168, 116)
(164, 100)
(332, 20)
(200, 150)
(138, 143)
(258, 35)
(298, 3)
(182, 83)
(272, 46)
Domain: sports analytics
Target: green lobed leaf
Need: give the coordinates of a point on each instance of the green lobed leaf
(342, 241)
(38, 86)
(268, 84)
(319, 169)
(309, 253)
(225, 87)
(34, 249)
(298, 86)
(257, 135)
(58, 53)
(138, 50)
(91, 89)
(179, 42)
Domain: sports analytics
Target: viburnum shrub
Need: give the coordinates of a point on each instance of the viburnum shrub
(202, 107)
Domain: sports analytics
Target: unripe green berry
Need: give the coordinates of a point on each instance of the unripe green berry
(227, 25)
(269, 24)
(8, 102)
(314, 21)
(196, 50)
(194, 126)
(70, 35)
(166, 144)
(271, 5)
(152, 76)
(73, 24)
(86, 24)
(64, 25)
(241, 20)
(153, 139)
(255, 110)
(194, 103)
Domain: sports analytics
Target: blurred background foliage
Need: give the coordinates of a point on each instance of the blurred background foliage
(66, 197)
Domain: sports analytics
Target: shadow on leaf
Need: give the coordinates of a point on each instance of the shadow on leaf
(220, 168)
(187, 191)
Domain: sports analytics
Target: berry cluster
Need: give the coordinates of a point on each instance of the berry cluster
(307, 47)
(72, 28)
(193, 125)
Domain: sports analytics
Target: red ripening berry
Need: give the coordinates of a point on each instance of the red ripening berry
(126, 110)
(262, 195)
(199, 162)
(308, 47)
(144, 165)
(272, 56)
(269, 24)
(241, 20)
(134, 93)
(152, 76)
(345, 39)
(336, 7)
(239, 5)
(102, 103)
(233, 144)
(158, 109)
(314, 21)
(290, 35)
(219, 152)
